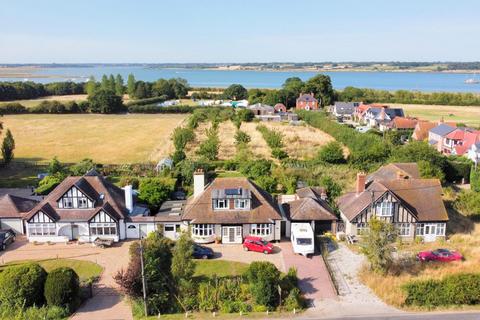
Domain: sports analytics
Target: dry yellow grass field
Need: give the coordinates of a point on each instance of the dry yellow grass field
(462, 114)
(29, 103)
(226, 133)
(103, 138)
(200, 136)
(389, 287)
(257, 145)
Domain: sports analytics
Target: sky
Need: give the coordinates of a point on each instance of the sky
(170, 31)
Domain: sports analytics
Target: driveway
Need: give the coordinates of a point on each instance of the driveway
(107, 302)
(314, 279)
(355, 299)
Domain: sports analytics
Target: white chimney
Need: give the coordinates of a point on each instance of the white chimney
(198, 182)
(128, 197)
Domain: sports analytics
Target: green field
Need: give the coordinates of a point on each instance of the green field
(460, 114)
(219, 268)
(84, 269)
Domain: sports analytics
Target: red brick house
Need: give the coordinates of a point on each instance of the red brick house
(307, 101)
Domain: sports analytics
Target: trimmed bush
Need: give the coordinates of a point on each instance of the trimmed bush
(458, 289)
(22, 286)
(62, 289)
(332, 152)
(12, 108)
(263, 278)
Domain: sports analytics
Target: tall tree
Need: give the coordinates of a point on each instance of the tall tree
(321, 87)
(8, 146)
(376, 244)
(91, 85)
(131, 85)
(105, 84)
(111, 82)
(140, 90)
(119, 85)
(183, 265)
(105, 101)
(235, 92)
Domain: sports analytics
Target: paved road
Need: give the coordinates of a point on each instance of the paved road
(414, 316)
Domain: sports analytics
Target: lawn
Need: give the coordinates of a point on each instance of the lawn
(84, 269)
(461, 114)
(114, 139)
(220, 268)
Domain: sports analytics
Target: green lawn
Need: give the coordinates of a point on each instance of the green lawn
(84, 269)
(220, 268)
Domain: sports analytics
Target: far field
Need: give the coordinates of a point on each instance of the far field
(103, 138)
(461, 114)
(34, 102)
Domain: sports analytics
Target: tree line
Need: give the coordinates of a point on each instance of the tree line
(30, 90)
(405, 96)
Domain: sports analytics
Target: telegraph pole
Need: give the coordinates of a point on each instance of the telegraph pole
(144, 284)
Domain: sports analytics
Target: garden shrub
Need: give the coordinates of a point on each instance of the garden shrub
(457, 289)
(22, 285)
(278, 153)
(263, 278)
(12, 108)
(62, 288)
(468, 203)
(182, 136)
(293, 300)
(475, 179)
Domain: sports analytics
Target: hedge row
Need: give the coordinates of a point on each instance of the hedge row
(146, 101)
(153, 108)
(458, 289)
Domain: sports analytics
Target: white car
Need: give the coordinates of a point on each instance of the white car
(302, 238)
(362, 129)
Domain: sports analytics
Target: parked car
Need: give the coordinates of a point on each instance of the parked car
(201, 252)
(6, 237)
(257, 244)
(443, 255)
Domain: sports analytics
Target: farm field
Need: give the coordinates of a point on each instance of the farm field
(461, 114)
(301, 142)
(103, 138)
(30, 103)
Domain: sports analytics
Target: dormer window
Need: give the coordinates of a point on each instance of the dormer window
(82, 203)
(67, 203)
(220, 204)
(242, 204)
(385, 209)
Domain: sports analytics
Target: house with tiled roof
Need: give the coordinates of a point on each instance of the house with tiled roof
(420, 132)
(84, 208)
(345, 110)
(436, 135)
(414, 206)
(309, 205)
(403, 123)
(398, 170)
(380, 117)
(459, 141)
(13, 209)
(307, 101)
(230, 209)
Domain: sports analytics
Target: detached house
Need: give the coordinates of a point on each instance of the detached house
(459, 141)
(307, 102)
(85, 208)
(414, 206)
(436, 135)
(230, 209)
(420, 133)
(345, 109)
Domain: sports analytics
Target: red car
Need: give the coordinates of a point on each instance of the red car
(257, 244)
(443, 255)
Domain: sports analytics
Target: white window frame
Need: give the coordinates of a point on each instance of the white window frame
(384, 209)
(103, 229)
(67, 203)
(420, 229)
(216, 203)
(361, 227)
(242, 204)
(42, 229)
(403, 229)
(261, 229)
(440, 230)
(203, 229)
(82, 203)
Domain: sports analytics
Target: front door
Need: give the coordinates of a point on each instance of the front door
(430, 233)
(143, 231)
(75, 232)
(232, 234)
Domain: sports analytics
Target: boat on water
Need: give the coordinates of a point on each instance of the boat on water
(473, 80)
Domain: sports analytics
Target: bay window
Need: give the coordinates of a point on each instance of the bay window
(203, 230)
(403, 229)
(41, 229)
(103, 229)
(260, 229)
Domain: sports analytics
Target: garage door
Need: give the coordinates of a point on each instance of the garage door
(15, 224)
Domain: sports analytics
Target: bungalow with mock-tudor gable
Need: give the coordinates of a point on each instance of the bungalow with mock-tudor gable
(414, 206)
(12, 211)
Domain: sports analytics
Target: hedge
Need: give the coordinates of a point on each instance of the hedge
(22, 285)
(13, 108)
(458, 289)
(62, 288)
(153, 108)
(475, 179)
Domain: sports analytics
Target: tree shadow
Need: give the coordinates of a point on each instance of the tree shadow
(458, 223)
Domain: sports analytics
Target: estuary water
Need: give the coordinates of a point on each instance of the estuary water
(420, 81)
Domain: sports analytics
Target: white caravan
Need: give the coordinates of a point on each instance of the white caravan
(302, 238)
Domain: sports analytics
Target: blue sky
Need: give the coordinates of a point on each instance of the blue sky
(238, 31)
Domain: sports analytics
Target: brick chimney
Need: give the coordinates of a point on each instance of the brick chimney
(361, 179)
(198, 182)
